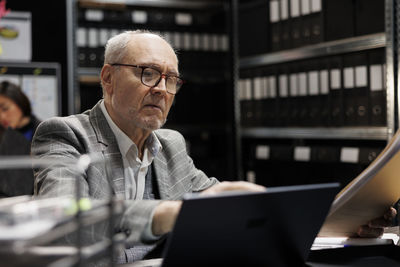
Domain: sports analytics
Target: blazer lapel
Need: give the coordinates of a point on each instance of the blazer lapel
(112, 155)
(160, 170)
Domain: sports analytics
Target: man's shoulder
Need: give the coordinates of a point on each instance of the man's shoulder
(168, 134)
(71, 121)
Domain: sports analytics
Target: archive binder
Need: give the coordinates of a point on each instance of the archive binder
(274, 18)
(335, 91)
(246, 101)
(377, 87)
(339, 19)
(325, 112)
(314, 97)
(349, 92)
(369, 16)
(271, 104)
(316, 22)
(285, 25)
(284, 98)
(295, 23)
(295, 100)
(256, 40)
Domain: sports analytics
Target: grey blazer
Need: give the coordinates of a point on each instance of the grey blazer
(89, 133)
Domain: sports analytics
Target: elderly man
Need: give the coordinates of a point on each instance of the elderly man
(150, 167)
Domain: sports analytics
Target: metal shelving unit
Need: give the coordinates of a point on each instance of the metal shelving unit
(364, 133)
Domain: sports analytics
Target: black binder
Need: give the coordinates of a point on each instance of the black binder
(325, 102)
(377, 88)
(295, 100)
(246, 100)
(271, 103)
(316, 22)
(284, 98)
(350, 93)
(295, 24)
(339, 19)
(314, 103)
(275, 25)
(369, 16)
(335, 91)
(253, 28)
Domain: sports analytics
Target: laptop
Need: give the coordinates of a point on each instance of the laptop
(272, 228)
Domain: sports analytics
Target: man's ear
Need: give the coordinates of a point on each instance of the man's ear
(106, 78)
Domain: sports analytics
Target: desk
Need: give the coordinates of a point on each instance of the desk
(365, 256)
(361, 256)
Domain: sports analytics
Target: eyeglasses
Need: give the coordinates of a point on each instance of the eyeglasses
(151, 77)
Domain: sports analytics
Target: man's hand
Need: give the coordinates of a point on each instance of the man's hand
(375, 227)
(233, 186)
(165, 216)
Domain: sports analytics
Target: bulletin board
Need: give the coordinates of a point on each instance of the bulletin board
(40, 81)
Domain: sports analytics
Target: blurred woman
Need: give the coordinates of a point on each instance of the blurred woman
(19, 126)
(15, 110)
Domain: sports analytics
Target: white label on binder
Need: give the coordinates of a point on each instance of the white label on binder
(184, 19)
(214, 42)
(196, 41)
(302, 153)
(81, 37)
(176, 39)
(248, 95)
(313, 80)
(316, 6)
(349, 154)
(93, 38)
(262, 152)
(103, 37)
(257, 88)
(294, 8)
(265, 87)
(284, 9)
(224, 42)
(294, 91)
(94, 15)
(302, 84)
(361, 76)
(139, 16)
(272, 86)
(335, 78)
(273, 11)
(241, 89)
(305, 7)
(348, 74)
(251, 177)
(206, 41)
(186, 41)
(283, 85)
(376, 77)
(323, 76)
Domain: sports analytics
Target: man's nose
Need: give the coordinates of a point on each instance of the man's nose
(161, 86)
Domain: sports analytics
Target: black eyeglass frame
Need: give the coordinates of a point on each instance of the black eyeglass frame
(179, 80)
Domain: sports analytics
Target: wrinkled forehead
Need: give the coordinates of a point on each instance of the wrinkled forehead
(151, 49)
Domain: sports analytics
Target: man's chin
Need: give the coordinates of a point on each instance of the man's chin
(152, 124)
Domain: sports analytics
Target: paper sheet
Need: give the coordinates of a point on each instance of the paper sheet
(368, 196)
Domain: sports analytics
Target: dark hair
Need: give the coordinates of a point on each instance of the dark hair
(15, 93)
